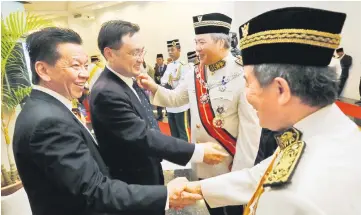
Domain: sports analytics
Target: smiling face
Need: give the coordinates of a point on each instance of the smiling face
(271, 102)
(129, 57)
(69, 73)
(208, 50)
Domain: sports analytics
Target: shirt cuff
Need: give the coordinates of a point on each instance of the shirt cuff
(167, 204)
(198, 154)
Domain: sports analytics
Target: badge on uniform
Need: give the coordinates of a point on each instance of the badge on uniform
(223, 86)
(218, 121)
(204, 98)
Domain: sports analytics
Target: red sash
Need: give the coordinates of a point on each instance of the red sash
(207, 115)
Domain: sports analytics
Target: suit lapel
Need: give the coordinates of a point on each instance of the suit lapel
(133, 98)
(48, 98)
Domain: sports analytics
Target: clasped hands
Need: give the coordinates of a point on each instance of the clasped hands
(182, 193)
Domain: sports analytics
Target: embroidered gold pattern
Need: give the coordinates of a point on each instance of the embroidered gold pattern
(199, 18)
(212, 23)
(245, 30)
(216, 66)
(301, 36)
(291, 150)
(174, 43)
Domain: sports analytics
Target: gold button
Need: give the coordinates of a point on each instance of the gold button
(198, 125)
(197, 141)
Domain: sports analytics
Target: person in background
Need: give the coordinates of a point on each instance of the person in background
(146, 68)
(159, 70)
(174, 75)
(234, 43)
(95, 68)
(192, 59)
(336, 65)
(346, 63)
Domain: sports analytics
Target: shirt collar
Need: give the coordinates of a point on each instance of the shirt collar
(129, 81)
(56, 95)
(310, 125)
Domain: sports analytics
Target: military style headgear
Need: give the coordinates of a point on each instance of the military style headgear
(191, 55)
(294, 35)
(212, 23)
(173, 43)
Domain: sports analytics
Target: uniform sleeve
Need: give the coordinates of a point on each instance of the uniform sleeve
(172, 98)
(249, 133)
(234, 188)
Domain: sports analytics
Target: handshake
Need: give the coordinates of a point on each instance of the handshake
(182, 193)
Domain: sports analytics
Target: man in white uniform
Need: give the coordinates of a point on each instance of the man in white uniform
(316, 168)
(173, 76)
(216, 93)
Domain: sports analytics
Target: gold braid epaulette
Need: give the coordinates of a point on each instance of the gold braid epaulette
(301, 36)
(291, 151)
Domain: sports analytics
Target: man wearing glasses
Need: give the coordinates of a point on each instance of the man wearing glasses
(127, 132)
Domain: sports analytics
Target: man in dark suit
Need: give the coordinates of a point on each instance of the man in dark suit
(346, 63)
(130, 141)
(57, 157)
(159, 69)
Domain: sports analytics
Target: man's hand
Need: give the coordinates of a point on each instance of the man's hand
(146, 82)
(178, 198)
(213, 154)
(194, 187)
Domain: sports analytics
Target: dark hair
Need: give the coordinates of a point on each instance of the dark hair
(42, 46)
(94, 58)
(111, 34)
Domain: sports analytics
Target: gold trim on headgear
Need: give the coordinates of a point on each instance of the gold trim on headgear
(212, 23)
(301, 36)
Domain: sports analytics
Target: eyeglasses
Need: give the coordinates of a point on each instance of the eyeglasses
(138, 54)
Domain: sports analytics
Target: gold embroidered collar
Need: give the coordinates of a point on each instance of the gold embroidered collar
(216, 66)
(291, 149)
(288, 137)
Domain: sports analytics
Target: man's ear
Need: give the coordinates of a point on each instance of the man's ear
(108, 54)
(42, 69)
(284, 91)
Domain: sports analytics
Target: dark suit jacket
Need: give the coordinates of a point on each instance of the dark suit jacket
(158, 75)
(346, 63)
(267, 145)
(62, 170)
(129, 147)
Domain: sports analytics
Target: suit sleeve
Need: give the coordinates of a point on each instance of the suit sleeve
(127, 126)
(234, 188)
(66, 160)
(172, 98)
